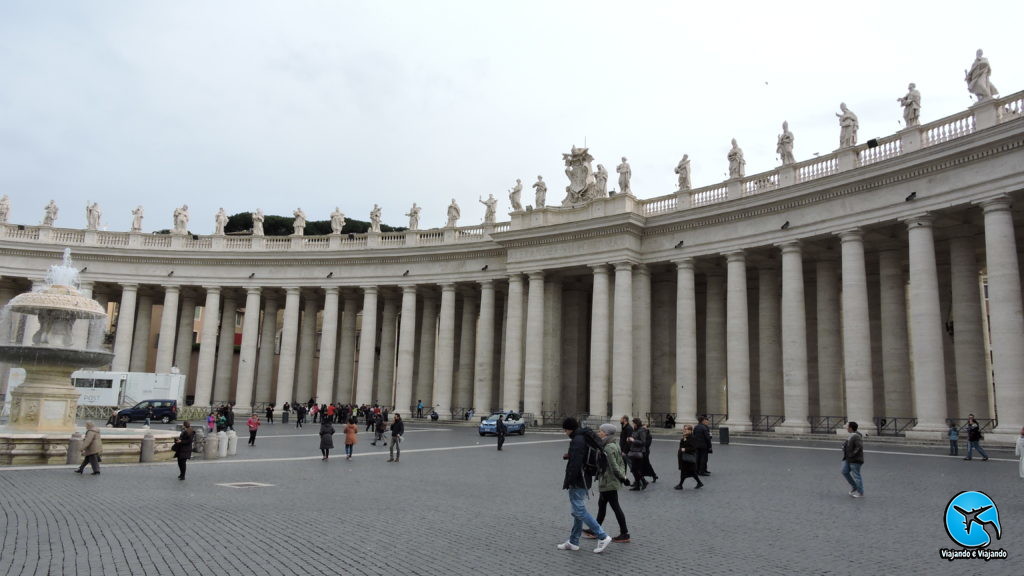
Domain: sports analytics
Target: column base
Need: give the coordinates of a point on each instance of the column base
(738, 425)
(794, 427)
(999, 438)
(928, 431)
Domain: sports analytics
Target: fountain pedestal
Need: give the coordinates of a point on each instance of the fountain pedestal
(45, 402)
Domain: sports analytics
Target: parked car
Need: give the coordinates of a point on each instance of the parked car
(163, 410)
(514, 422)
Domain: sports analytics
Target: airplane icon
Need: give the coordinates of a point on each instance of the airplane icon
(972, 518)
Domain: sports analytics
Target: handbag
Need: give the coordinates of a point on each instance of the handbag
(689, 458)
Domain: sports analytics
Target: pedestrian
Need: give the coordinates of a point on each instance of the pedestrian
(183, 447)
(300, 415)
(624, 435)
(1019, 451)
(149, 414)
(315, 411)
(92, 448)
(397, 430)
(326, 438)
(500, 429)
(609, 482)
(687, 458)
(211, 421)
(419, 408)
(254, 425)
(853, 459)
(222, 422)
(637, 446)
(229, 416)
(270, 413)
(954, 436)
(578, 484)
(648, 468)
(350, 437)
(974, 437)
(379, 427)
(330, 413)
(702, 442)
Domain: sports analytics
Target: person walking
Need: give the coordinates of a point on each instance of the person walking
(270, 413)
(648, 468)
(397, 430)
(853, 459)
(254, 426)
(350, 437)
(687, 458)
(624, 435)
(637, 446)
(92, 448)
(211, 422)
(974, 437)
(183, 447)
(702, 443)
(578, 484)
(501, 430)
(379, 427)
(954, 437)
(300, 415)
(149, 414)
(326, 438)
(419, 408)
(609, 482)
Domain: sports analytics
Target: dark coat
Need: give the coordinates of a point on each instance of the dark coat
(640, 441)
(853, 448)
(627, 432)
(398, 428)
(701, 437)
(686, 446)
(574, 476)
(326, 437)
(186, 438)
(500, 428)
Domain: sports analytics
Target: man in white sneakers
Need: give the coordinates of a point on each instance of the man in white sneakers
(578, 482)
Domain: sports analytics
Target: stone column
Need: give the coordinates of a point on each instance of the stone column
(622, 345)
(268, 340)
(307, 346)
(328, 346)
(445, 362)
(125, 328)
(968, 334)
(553, 357)
(714, 353)
(247, 353)
(428, 340)
(225, 349)
(367, 347)
(463, 396)
(533, 381)
(513, 390)
(829, 337)
(856, 331)
(140, 343)
(185, 338)
(406, 352)
(895, 340)
(388, 334)
(642, 342)
(686, 342)
(1006, 316)
(794, 341)
(600, 329)
(483, 375)
(345, 389)
(289, 347)
(738, 342)
(168, 321)
(207, 347)
(769, 347)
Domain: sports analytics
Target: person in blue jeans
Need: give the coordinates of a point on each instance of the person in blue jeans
(577, 482)
(853, 459)
(954, 437)
(974, 439)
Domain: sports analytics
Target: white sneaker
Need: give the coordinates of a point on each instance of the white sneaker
(568, 546)
(852, 492)
(857, 495)
(602, 544)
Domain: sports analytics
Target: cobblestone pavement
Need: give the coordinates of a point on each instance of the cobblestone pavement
(454, 505)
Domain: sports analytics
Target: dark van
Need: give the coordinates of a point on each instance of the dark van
(163, 410)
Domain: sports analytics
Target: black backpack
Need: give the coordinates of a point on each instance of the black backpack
(595, 462)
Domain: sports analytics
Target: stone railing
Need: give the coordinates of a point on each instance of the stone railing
(883, 149)
(816, 168)
(948, 128)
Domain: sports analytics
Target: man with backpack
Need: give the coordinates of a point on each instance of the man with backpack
(579, 475)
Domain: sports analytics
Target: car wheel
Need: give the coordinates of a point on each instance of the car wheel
(166, 420)
(483, 434)
(523, 431)
(127, 419)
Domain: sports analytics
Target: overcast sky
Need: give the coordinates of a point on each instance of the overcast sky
(247, 104)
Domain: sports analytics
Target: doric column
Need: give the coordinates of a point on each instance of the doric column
(794, 341)
(345, 389)
(463, 396)
(207, 347)
(328, 346)
(738, 342)
(714, 352)
(552, 381)
(895, 340)
(143, 328)
(483, 374)
(856, 331)
(769, 347)
(225, 349)
(307, 345)
(830, 342)
(622, 342)
(406, 352)
(600, 330)
(168, 322)
(289, 347)
(966, 326)
(268, 340)
(926, 329)
(367, 347)
(642, 342)
(388, 345)
(1006, 316)
(445, 363)
(186, 330)
(125, 328)
(686, 343)
(247, 353)
(513, 391)
(533, 377)
(424, 389)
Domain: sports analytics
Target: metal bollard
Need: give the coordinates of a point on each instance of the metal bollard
(232, 442)
(211, 447)
(222, 444)
(148, 448)
(284, 416)
(75, 449)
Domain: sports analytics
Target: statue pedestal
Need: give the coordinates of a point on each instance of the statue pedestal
(910, 139)
(986, 113)
(46, 402)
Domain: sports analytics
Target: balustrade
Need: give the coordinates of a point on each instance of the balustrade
(761, 183)
(887, 148)
(658, 205)
(113, 239)
(947, 129)
(709, 195)
(156, 241)
(817, 168)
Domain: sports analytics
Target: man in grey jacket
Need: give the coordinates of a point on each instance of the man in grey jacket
(853, 458)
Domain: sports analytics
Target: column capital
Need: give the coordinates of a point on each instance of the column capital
(536, 275)
(998, 204)
(329, 289)
(448, 287)
(789, 246)
(407, 288)
(641, 269)
(171, 287)
(486, 284)
(919, 220)
(599, 268)
(851, 235)
(623, 266)
(515, 278)
(686, 263)
(128, 287)
(369, 289)
(293, 290)
(735, 256)
(212, 289)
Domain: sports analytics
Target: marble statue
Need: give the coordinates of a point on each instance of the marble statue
(221, 221)
(50, 213)
(784, 147)
(5, 208)
(977, 78)
(542, 191)
(683, 170)
(515, 194)
(414, 217)
(848, 125)
(600, 185)
(625, 173)
(257, 222)
(737, 165)
(491, 210)
(454, 213)
(137, 219)
(299, 225)
(911, 106)
(92, 216)
(181, 219)
(337, 220)
(581, 186)
(375, 219)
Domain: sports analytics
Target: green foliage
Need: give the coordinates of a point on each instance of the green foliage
(284, 226)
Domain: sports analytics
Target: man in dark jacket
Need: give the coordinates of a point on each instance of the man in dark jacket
(627, 433)
(853, 459)
(500, 429)
(702, 442)
(578, 482)
(973, 439)
(397, 430)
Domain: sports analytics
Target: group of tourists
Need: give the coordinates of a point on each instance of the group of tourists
(351, 431)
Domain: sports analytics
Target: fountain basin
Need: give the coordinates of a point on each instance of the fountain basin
(119, 446)
(54, 356)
